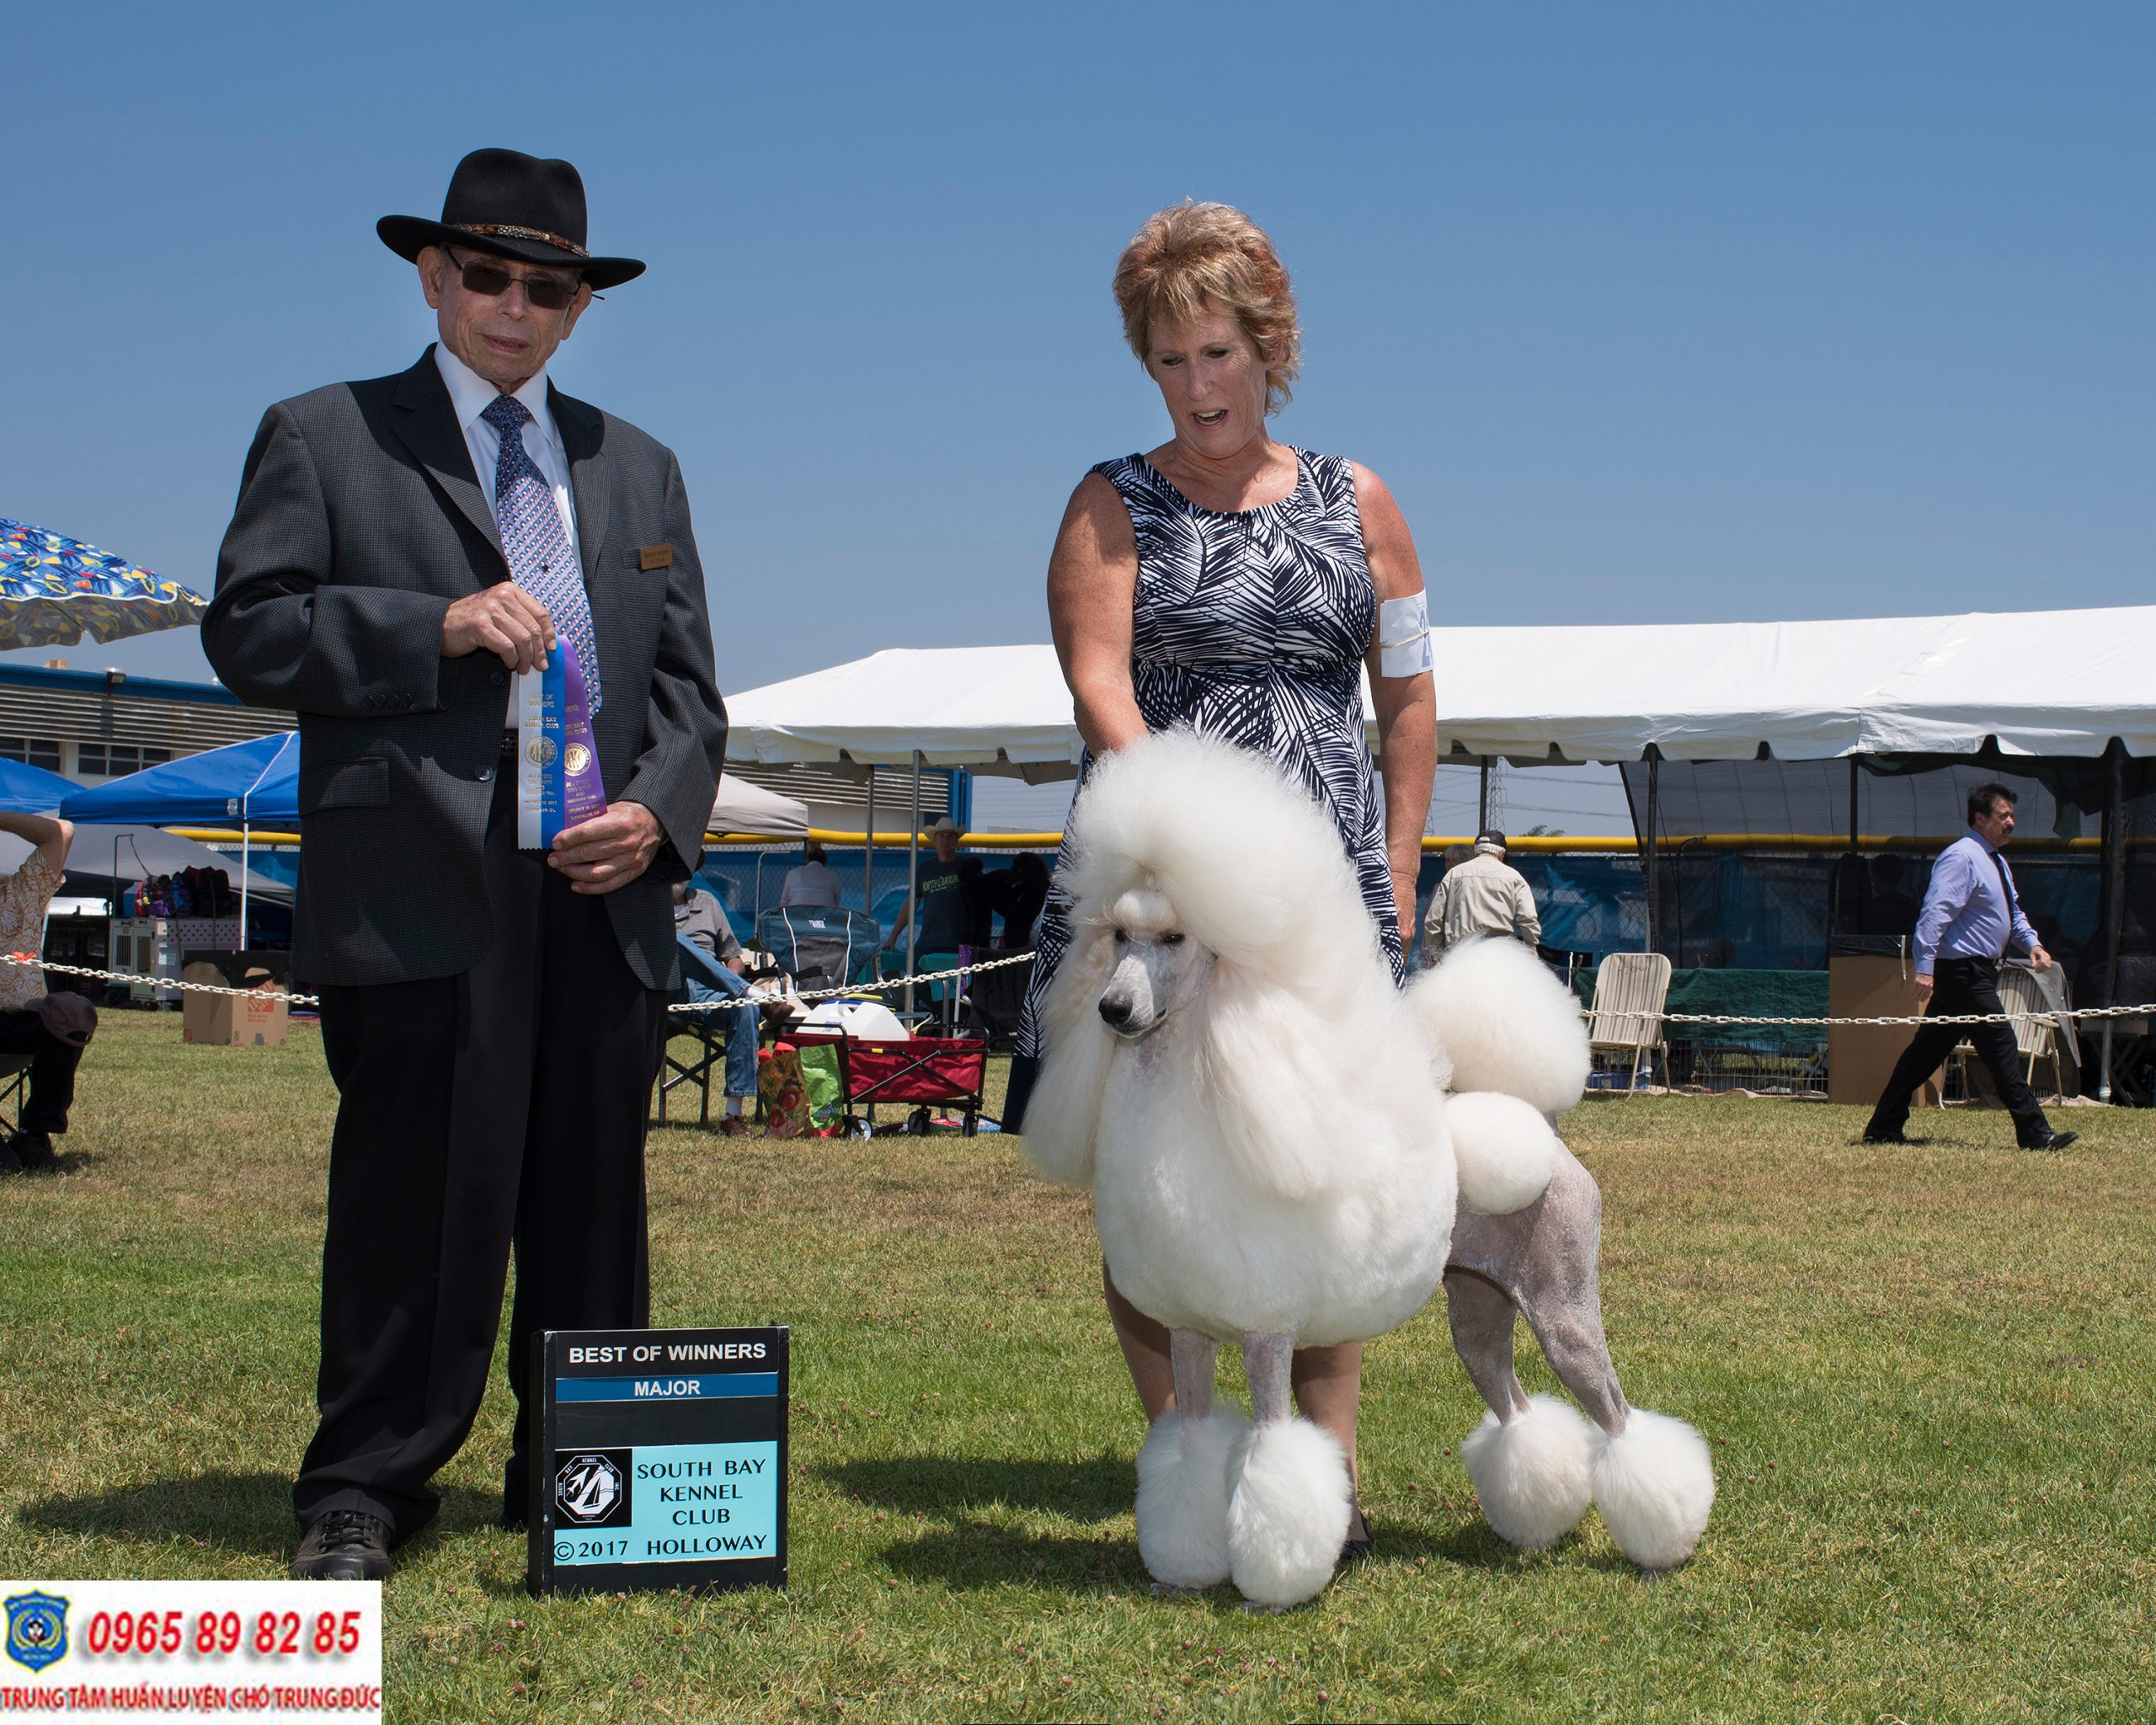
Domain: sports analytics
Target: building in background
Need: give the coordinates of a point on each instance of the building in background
(91, 725)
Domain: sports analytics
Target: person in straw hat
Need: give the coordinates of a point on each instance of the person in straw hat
(403, 548)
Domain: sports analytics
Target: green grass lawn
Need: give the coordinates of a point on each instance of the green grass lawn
(1926, 1375)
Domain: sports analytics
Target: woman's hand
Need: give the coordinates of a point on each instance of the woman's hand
(1406, 876)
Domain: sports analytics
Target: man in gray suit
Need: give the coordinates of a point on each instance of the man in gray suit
(492, 1016)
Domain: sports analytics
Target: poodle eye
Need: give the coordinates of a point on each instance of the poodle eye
(1171, 939)
(1120, 936)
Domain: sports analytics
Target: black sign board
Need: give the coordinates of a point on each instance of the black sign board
(658, 1460)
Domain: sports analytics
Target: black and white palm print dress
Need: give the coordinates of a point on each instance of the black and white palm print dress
(1250, 626)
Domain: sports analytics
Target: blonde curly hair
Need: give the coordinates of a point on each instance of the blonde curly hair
(1191, 259)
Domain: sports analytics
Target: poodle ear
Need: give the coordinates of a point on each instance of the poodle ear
(1065, 1112)
(1265, 1062)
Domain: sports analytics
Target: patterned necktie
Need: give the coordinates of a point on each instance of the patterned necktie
(536, 542)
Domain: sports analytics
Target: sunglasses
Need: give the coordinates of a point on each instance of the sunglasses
(490, 280)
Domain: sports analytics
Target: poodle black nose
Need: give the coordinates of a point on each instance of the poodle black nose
(1115, 1009)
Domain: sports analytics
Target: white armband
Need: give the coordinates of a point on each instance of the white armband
(1404, 636)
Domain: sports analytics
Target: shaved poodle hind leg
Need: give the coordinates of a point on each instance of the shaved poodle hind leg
(1535, 1469)
(1531, 1459)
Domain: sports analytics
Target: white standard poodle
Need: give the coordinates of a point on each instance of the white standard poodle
(1263, 1118)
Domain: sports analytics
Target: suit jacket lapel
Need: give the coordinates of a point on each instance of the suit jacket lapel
(584, 439)
(426, 424)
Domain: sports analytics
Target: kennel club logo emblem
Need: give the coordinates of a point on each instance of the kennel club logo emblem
(590, 1490)
(37, 1630)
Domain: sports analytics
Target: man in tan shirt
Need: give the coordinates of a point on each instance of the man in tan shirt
(51, 1030)
(1482, 895)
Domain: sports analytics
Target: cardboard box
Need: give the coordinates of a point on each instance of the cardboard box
(257, 1019)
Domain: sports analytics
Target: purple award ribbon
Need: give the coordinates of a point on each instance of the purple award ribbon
(556, 763)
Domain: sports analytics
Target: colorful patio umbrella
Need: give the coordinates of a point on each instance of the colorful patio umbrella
(54, 591)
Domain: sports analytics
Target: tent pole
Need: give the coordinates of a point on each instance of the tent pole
(912, 880)
(1854, 844)
(2114, 894)
(246, 854)
(868, 855)
(1483, 799)
(1649, 842)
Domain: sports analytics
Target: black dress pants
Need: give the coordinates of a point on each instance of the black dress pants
(1960, 986)
(506, 1105)
(52, 1070)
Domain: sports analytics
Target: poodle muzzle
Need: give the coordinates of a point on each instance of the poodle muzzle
(1151, 978)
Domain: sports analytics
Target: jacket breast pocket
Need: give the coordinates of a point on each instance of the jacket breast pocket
(363, 783)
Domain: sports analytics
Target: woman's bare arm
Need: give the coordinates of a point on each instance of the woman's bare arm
(1092, 581)
(1407, 706)
(45, 833)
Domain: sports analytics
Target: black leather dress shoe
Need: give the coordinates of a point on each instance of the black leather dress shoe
(1357, 1545)
(2057, 1141)
(344, 1545)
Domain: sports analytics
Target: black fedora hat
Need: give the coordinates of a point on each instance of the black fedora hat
(513, 206)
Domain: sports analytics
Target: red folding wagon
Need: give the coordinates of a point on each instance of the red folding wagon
(920, 1070)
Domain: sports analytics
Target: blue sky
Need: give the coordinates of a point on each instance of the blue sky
(1649, 312)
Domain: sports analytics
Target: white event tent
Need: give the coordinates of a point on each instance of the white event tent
(755, 812)
(2048, 682)
(2056, 683)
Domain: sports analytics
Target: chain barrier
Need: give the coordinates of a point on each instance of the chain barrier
(1909, 1018)
(24, 961)
(2147, 1010)
(852, 989)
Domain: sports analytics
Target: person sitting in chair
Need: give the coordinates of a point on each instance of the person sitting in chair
(812, 882)
(700, 923)
(52, 1029)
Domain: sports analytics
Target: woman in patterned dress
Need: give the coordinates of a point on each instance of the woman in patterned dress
(1231, 583)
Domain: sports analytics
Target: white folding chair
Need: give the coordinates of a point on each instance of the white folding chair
(1630, 991)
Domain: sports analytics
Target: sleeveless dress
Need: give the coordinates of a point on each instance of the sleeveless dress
(1250, 626)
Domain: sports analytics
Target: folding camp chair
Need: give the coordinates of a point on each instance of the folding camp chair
(821, 946)
(922, 1070)
(14, 1091)
(706, 1030)
(1631, 989)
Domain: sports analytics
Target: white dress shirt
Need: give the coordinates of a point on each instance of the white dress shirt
(470, 395)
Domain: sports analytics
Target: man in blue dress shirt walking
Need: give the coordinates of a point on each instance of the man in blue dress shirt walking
(1972, 917)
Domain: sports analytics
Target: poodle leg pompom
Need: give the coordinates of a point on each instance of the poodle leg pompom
(1288, 1514)
(1531, 1472)
(1654, 1483)
(1182, 1498)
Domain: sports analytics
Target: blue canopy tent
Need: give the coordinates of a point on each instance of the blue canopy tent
(30, 790)
(253, 784)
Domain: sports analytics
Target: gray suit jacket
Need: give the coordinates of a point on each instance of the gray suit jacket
(360, 520)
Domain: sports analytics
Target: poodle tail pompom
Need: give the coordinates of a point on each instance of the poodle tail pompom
(1505, 1024)
(1654, 1483)
(1288, 1512)
(1532, 1472)
(1505, 1150)
(1182, 1498)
